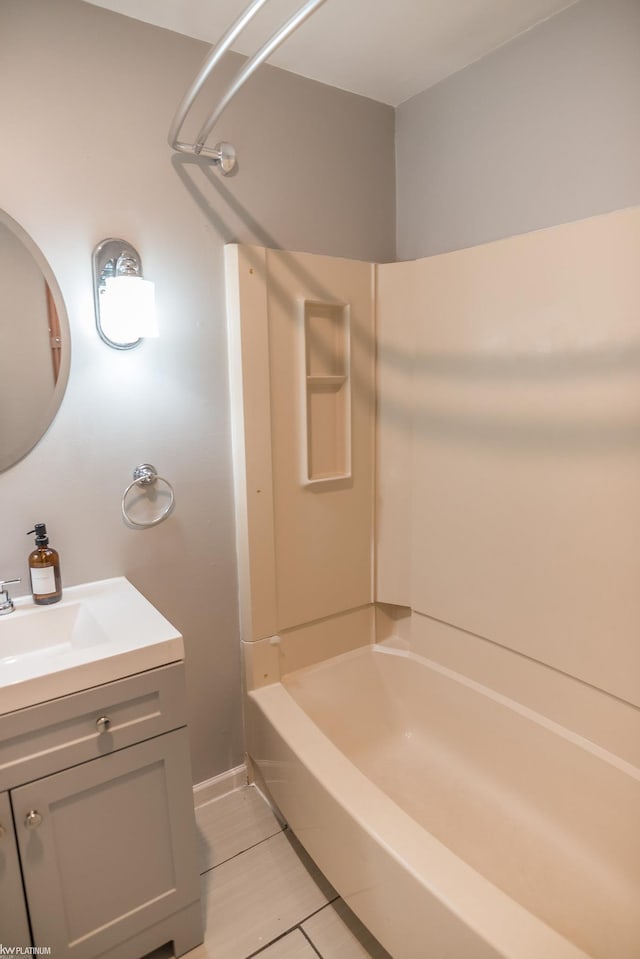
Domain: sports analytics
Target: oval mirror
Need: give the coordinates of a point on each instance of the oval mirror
(35, 345)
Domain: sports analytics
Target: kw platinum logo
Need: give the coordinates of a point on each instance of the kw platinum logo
(18, 951)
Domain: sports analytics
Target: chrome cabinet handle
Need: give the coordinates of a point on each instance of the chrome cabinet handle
(103, 724)
(32, 819)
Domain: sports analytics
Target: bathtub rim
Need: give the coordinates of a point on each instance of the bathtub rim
(497, 919)
(527, 712)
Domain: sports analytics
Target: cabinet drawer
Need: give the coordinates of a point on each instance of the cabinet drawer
(40, 740)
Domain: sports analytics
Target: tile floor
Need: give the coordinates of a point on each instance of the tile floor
(262, 895)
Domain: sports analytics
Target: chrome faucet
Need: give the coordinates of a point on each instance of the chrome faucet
(6, 603)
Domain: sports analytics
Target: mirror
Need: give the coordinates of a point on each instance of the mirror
(35, 344)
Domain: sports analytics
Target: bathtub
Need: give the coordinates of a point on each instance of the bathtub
(453, 821)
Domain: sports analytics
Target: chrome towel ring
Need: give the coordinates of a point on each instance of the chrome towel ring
(147, 475)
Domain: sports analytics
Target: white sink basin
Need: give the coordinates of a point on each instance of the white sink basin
(38, 630)
(99, 632)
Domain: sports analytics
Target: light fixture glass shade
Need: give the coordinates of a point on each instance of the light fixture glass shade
(127, 309)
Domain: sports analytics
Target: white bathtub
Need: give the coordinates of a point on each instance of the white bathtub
(454, 822)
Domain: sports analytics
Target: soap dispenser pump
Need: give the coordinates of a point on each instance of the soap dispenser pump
(44, 569)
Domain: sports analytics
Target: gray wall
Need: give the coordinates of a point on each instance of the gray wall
(543, 131)
(87, 97)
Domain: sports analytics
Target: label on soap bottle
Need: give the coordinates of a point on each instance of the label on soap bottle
(43, 581)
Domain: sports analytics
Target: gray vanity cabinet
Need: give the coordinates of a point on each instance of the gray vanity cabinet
(104, 858)
(100, 789)
(14, 926)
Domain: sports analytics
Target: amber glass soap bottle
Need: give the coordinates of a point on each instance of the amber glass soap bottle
(44, 569)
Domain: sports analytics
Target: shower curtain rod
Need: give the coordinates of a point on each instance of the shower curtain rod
(224, 154)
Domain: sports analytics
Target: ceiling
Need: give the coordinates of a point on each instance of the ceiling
(388, 51)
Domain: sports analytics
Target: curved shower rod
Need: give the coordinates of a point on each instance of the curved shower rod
(224, 154)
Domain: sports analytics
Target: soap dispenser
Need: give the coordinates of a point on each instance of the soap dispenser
(44, 569)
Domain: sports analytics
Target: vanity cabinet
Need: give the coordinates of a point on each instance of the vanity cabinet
(97, 793)
(14, 926)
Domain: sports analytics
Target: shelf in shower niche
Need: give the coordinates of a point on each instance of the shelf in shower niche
(334, 479)
(326, 382)
(326, 441)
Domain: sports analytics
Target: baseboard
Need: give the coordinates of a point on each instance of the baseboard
(219, 785)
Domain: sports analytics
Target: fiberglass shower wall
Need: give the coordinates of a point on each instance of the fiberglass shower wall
(302, 361)
(508, 498)
(503, 384)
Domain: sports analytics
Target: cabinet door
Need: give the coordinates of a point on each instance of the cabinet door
(108, 848)
(14, 927)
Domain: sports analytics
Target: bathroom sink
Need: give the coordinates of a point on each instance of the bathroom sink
(48, 631)
(98, 633)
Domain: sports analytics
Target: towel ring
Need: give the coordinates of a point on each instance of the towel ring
(147, 475)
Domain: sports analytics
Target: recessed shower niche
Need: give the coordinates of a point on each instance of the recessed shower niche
(302, 347)
(327, 399)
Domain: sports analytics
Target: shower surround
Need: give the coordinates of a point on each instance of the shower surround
(436, 484)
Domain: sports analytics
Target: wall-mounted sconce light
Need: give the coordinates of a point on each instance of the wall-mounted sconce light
(124, 301)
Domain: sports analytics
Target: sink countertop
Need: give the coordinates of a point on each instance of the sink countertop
(99, 632)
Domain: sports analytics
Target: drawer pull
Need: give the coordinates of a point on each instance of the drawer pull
(103, 724)
(2, 831)
(32, 819)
